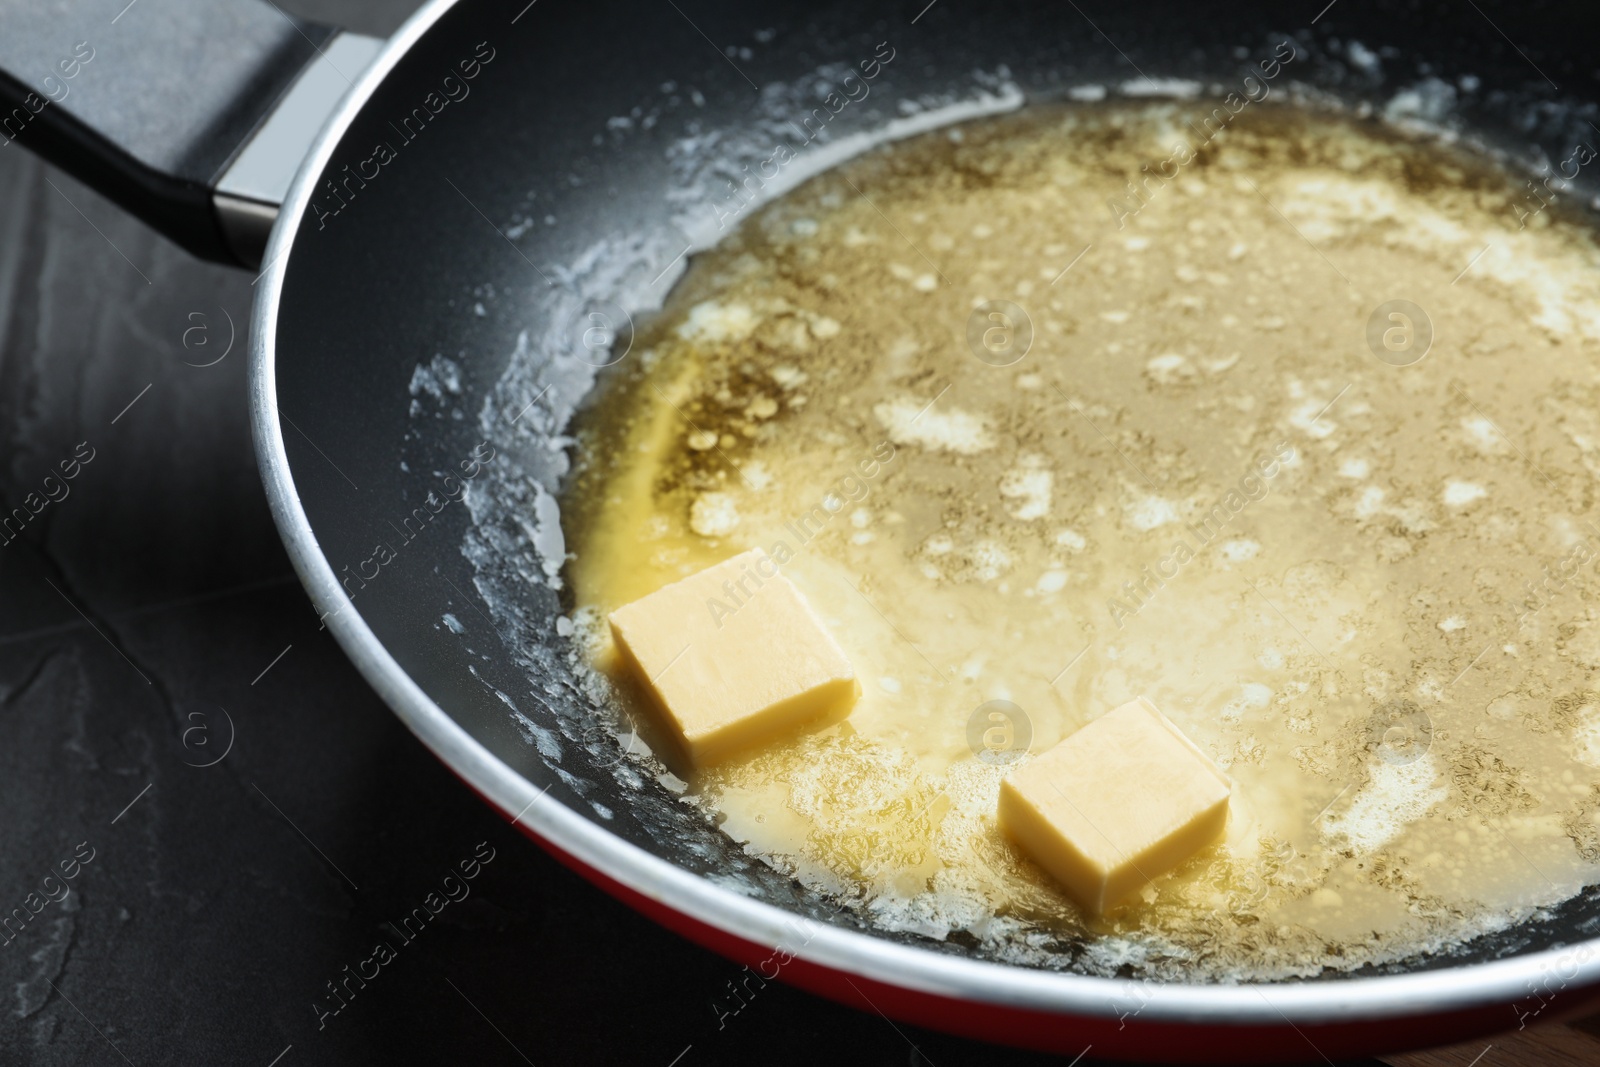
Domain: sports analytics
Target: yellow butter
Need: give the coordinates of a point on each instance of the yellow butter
(1117, 804)
(734, 657)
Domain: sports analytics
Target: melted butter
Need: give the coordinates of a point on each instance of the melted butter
(1409, 723)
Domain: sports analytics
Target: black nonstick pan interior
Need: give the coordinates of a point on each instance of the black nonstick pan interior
(433, 311)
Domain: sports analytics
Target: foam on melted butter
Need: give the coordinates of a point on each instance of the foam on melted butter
(1411, 726)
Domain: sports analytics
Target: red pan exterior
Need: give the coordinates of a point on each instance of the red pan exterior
(1123, 1038)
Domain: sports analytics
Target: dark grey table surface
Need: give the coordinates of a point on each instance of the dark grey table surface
(149, 622)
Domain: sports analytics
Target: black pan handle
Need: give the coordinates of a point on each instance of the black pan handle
(191, 114)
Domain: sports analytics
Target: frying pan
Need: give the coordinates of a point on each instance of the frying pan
(493, 195)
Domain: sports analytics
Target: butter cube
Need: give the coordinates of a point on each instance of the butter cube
(734, 657)
(1119, 803)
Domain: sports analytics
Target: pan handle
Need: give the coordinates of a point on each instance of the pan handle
(191, 114)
